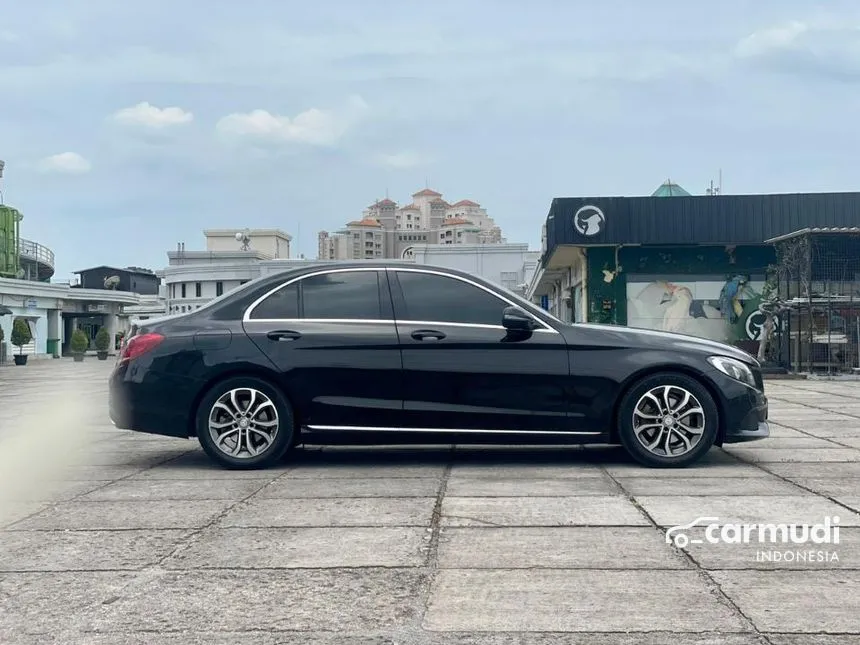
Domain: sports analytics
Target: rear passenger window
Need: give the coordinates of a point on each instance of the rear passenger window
(281, 305)
(352, 295)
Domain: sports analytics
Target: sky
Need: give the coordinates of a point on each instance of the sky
(129, 127)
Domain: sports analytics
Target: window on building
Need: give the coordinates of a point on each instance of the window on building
(198, 290)
(281, 305)
(183, 289)
(345, 294)
(219, 288)
(429, 297)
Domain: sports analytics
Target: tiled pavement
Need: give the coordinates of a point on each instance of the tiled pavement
(115, 538)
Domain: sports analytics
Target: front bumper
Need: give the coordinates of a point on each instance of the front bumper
(744, 411)
(761, 432)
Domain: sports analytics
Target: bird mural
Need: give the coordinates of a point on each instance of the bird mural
(677, 312)
(730, 304)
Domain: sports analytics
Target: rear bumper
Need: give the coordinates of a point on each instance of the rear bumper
(151, 406)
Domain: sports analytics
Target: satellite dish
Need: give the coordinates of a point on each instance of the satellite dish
(239, 237)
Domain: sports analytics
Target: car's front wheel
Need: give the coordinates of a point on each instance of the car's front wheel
(668, 420)
(244, 422)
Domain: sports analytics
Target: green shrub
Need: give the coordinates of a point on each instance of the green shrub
(21, 334)
(79, 343)
(102, 340)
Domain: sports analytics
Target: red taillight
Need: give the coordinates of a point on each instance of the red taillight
(138, 345)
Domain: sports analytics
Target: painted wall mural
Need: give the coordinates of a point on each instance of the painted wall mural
(722, 308)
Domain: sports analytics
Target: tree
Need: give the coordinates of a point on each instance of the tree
(102, 340)
(20, 334)
(792, 265)
(79, 342)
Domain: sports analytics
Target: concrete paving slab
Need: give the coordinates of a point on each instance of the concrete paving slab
(808, 601)
(84, 550)
(388, 471)
(818, 470)
(367, 511)
(11, 512)
(130, 490)
(850, 502)
(126, 515)
(47, 603)
(813, 639)
(836, 428)
(851, 442)
(574, 601)
(674, 511)
(316, 548)
(710, 486)
(735, 469)
(54, 491)
(794, 455)
(301, 487)
(92, 473)
(505, 486)
(831, 487)
(518, 472)
(333, 600)
(209, 638)
(540, 511)
(782, 443)
(769, 556)
(571, 547)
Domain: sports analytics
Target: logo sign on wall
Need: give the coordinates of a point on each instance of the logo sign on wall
(755, 323)
(589, 220)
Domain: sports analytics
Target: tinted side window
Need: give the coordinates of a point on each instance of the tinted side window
(347, 294)
(438, 298)
(282, 304)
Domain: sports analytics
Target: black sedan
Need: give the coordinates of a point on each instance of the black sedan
(395, 353)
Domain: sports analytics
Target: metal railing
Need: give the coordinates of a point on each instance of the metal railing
(35, 251)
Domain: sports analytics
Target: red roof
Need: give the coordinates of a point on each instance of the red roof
(440, 201)
(367, 221)
(455, 221)
(387, 202)
(411, 207)
(426, 193)
(466, 202)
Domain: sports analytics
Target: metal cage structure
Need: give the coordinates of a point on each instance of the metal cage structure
(819, 284)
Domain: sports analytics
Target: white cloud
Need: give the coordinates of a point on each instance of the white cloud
(9, 37)
(403, 159)
(770, 39)
(314, 126)
(149, 116)
(66, 163)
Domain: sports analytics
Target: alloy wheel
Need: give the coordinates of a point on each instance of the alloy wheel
(243, 423)
(668, 420)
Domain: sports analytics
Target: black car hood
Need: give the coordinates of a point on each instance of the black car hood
(616, 335)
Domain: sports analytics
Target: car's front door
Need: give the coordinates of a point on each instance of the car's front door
(332, 338)
(463, 370)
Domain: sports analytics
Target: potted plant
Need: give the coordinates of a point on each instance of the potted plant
(102, 344)
(20, 336)
(79, 344)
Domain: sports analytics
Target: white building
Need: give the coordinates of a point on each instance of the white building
(193, 278)
(387, 230)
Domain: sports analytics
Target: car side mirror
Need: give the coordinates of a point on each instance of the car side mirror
(515, 319)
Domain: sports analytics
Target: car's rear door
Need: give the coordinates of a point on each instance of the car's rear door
(332, 338)
(463, 370)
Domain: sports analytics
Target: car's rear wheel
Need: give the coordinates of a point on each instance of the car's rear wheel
(668, 420)
(244, 422)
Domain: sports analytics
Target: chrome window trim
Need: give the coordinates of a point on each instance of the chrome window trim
(246, 317)
(474, 284)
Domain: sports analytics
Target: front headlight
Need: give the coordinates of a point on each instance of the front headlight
(733, 368)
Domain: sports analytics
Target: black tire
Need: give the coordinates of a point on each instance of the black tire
(283, 436)
(627, 433)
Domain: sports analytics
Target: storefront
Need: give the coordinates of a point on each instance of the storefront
(688, 264)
